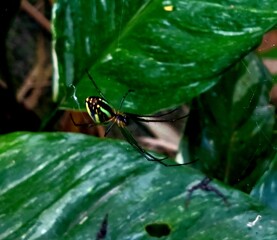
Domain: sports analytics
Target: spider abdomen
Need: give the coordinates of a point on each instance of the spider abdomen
(99, 110)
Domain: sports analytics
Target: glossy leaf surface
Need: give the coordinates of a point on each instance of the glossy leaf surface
(167, 51)
(61, 186)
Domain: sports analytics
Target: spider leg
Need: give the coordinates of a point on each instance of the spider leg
(96, 87)
(109, 128)
(151, 116)
(124, 97)
(141, 119)
(128, 136)
(101, 94)
(81, 124)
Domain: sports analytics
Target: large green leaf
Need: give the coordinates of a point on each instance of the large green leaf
(170, 51)
(60, 186)
(232, 124)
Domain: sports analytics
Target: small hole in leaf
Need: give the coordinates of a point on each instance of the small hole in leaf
(158, 229)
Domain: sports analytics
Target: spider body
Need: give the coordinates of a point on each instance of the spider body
(102, 113)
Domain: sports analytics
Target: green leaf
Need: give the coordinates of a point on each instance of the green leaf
(170, 51)
(61, 186)
(231, 125)
(265, 190)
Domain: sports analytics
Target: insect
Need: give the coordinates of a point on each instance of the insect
(102, 113)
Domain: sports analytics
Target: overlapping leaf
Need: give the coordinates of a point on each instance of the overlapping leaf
(232, 125)
(170, 51)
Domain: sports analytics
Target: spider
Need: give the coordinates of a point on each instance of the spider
(102, 113)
